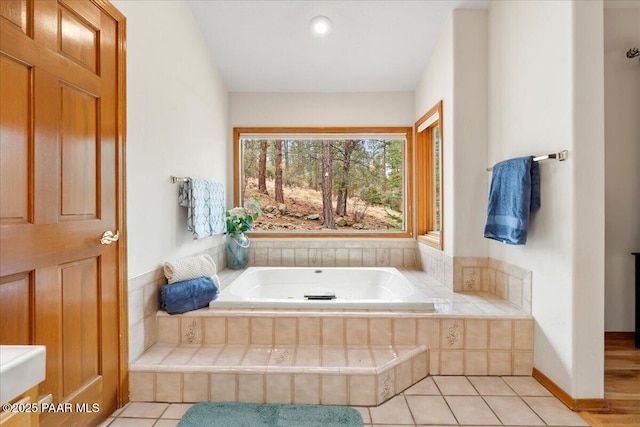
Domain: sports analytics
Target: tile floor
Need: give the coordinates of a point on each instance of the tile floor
(437, 400)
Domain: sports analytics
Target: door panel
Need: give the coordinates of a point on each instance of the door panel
(15, 115)
(60, 142)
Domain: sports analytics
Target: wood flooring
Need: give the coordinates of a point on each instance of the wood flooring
(621, 386)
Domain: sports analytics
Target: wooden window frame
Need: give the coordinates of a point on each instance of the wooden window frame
(425, 181)
(359, 234)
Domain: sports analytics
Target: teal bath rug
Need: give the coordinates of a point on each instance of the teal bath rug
(233, 414)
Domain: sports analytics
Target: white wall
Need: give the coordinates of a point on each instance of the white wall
(321, 109)
(457, 75)
(622, 174)
(176, 125)
(318, 110)
(470, 86)
(437, 84)
(546, 95)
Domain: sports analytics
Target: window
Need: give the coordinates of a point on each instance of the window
(429, 216)
(328, 181)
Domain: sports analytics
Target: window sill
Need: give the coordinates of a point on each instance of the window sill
(431, 239)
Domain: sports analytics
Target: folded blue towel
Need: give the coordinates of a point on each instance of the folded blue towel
(189, 295)
(514, 193)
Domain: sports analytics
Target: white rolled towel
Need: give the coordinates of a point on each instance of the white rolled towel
(189, 268)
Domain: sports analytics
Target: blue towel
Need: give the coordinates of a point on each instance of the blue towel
(189, 295)
(514, 193)
(204, 201)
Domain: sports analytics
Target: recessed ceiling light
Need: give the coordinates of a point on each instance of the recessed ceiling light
(320, 26)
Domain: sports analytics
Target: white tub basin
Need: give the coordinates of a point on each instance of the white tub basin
(21, 367)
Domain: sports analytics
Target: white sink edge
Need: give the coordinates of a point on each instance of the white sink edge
(21, 368)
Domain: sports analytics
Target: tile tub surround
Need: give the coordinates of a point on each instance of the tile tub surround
(333, 252)
(143, 304)
(306, 374)
(507, 281)
(471, 333)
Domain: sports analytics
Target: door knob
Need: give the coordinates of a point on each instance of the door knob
(108, 237)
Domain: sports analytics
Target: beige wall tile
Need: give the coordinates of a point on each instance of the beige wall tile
(168, 387)
(515, 291)
(380, 331)
(382, 257)
(451, 362)
(404, 377)
(500, 363)
(362, 389)
(288, 257)
(301, 257)
(191, 330)
(285, 331)
(195, 388)
(238, 330)
(355, 257)
(522, 362)
(328, 257)
(369, 257)
(502, 289)
(251, 388)
(215, 330)
(452, 334)
(342, 257)
(306, 389)
(434, 362)
(262, 330)
(500, 334)
(334, 390)
(476, 363)
(168, 330)
(223, 388)
(419, 367)
(357, 331)
(523, 334)
(404, 331)
(429, 333)
(396, 258)
(275, 257)
(386, 386)
(333, 331)
(142, 386)
(278, 388)
(476, 334)
(309, 330)
(315, 257)
(471, 279)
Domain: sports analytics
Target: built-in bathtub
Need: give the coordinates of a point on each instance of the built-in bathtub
(339, 288)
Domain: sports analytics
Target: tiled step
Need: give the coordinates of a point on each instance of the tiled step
(308, 374)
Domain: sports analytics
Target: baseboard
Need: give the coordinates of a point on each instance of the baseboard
(589, 405)
(620, 336)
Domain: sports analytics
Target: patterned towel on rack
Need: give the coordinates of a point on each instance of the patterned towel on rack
(204, 201)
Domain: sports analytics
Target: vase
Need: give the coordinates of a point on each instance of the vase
(237, 251)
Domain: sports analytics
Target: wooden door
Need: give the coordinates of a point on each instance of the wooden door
(61, 188)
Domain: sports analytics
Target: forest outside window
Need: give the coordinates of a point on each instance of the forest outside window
(429, 173)
(328, 181)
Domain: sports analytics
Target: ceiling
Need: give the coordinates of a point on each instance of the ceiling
(375, 46)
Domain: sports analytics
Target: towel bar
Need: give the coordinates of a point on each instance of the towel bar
(561, 156)
(175, 179)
